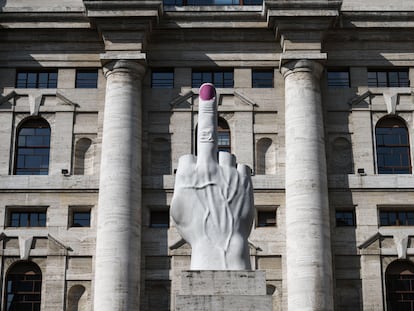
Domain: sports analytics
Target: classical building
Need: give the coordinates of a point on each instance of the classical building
(99, 99)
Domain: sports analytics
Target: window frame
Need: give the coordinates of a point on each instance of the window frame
(408, 221)
(207, 2)
(164, 83)
(29, 151)
(92, 83)
(386, 72)
(384, 152)
(51, 83)
(399, 284)
(266, 210)
(29, 210)
(335, 83)
(223, 128)
(32, 276)
(165, 215)
(79, 209)
(263, 83)
(216, 75)
(345, 224)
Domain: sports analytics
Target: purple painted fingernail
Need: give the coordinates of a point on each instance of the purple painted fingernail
(207, 91)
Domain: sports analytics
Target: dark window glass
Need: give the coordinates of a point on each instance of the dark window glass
(345, 218)
(86, 78)
(262, 78)
(81, 219)
(213, 2)
(162, 79)
(37, 79)
(27, 219)
(159, 219)
(400, 286)
(23, 288)
(222, 79)
(338, 78)
(33, 147)
(223, 133)
(396, 218)
(266, 218)
(393, 148)
(388, 78)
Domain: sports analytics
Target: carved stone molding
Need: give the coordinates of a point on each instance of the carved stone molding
(36, 98)
(391, 97)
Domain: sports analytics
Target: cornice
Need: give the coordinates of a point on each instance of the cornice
(302, 15)
(55, 18)
(123, 25)
(377, 19)
(123, 9)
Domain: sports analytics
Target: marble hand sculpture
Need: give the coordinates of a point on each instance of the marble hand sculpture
(212, 204)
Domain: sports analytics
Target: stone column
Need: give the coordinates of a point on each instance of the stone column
(308, 245)
(118, 241)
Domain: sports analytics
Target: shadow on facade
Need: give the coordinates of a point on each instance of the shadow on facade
(350, 152)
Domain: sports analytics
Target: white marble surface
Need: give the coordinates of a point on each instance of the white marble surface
(117, 262)
(213, 198)
(308, 244)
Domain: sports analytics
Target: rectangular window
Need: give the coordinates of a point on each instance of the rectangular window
(162, 79)
(81, 219)
(26, 218)
(28, 79)
(345, 218)
(212, 2)
(262, 78)
(220, 79)
(266, 217)
(159, 219)
(388, 78)
(80, 216)
(338, 78)
(396, 218)
(86, 79)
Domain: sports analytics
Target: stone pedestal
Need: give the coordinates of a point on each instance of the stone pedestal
(223, 290)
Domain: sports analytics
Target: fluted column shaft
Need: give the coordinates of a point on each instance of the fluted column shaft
(308, 246)
(118, 242)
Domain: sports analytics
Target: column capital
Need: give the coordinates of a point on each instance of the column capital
(302, 65)
(133, 67)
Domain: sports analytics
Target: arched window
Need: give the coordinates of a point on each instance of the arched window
(84, 157)
(33, 148)
(399, 279)
(223, 136)
(393, 147)
(23, 287)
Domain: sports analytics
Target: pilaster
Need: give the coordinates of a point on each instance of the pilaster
(118, 243)
(308, 246)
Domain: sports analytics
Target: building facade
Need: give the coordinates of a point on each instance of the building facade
(99, 99)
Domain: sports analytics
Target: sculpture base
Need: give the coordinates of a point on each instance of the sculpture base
(223, 290)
